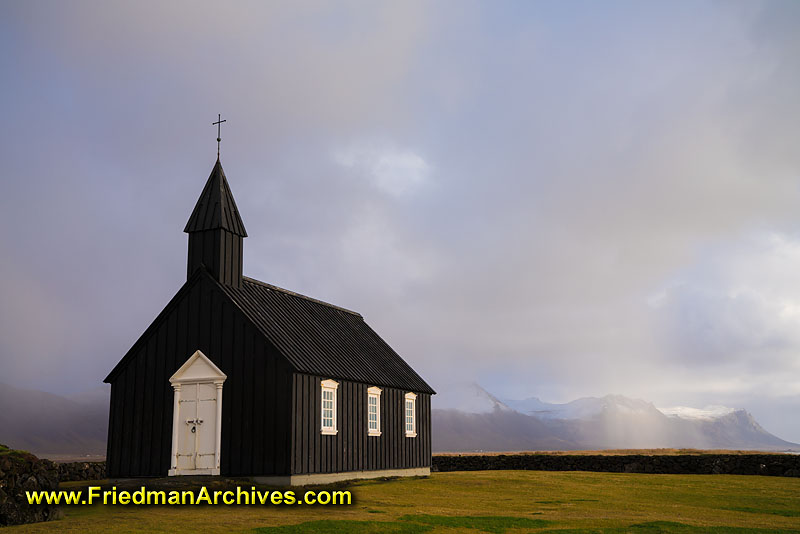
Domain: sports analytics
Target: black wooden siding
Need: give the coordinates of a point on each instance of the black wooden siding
(351, 449)
(220, 252)
(255, 404)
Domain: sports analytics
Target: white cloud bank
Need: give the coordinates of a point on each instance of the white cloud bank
(396, 171)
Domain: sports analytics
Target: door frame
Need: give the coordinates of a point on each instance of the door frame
(196, 370)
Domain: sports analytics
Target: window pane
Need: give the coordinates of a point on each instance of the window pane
(328, 400)
(372, 412)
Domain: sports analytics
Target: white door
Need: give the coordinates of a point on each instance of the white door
(196, 417)
(197, 432)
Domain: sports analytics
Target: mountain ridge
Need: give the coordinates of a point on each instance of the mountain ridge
(587, 423)
(48, 424)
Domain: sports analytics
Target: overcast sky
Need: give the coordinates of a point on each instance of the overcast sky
(555, 199)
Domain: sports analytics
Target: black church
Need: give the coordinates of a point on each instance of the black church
(311, 393)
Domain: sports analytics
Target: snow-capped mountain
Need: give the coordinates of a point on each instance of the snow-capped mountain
(582, 408)
(707, 413)
(469, 398)
(467, 417)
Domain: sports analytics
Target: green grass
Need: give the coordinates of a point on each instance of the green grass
(409, 524)
(16, 455)
(353, 527)
(667, 527)
(748, 509)
(505, 502)
(492, 524)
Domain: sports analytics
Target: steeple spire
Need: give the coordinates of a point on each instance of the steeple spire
(216, 208)
(219, 122)
(216, 231)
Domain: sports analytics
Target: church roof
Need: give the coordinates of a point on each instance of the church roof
(315, 337)
(322, 339)
(216, 208)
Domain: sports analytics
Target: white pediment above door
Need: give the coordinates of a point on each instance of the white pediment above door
(198, 368)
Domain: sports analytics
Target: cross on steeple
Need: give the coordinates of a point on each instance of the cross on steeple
(219, 131)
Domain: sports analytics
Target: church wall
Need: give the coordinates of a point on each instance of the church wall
(256, 395)
(351, 449)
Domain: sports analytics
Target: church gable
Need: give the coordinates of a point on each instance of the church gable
(189, 310)
(200, 318)
(171, 306)
(198, 368)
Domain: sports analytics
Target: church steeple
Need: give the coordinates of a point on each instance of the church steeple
(216, 231)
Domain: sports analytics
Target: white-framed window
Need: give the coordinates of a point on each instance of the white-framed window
(329, 389)
(410, 412)
(374, 411)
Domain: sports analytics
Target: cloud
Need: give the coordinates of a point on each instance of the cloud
(737, 305)
(394, 171)
(563, 202)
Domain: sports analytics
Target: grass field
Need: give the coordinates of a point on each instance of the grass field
(487, 501)
(615, 452)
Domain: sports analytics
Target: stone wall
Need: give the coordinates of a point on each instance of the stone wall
(71, 471)
(787, 465)
(732, 464)
(21, 471)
